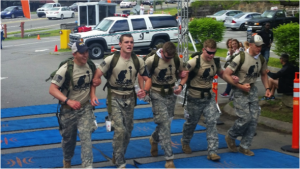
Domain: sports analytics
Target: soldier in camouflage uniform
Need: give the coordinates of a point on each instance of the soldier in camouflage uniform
(121, 95)
(246, 95)
(163, 99)
(76, 111)
(201, 100)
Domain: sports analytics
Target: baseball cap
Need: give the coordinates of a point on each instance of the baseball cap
(79, 47)
(257, 40)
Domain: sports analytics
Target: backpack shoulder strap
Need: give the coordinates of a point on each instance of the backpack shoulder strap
(113, 62)
(68, 77)
(177, 62)
(242, 60)
(262, 59)
(92, 67)
(136, 62)
(154, 63)
(217, 62)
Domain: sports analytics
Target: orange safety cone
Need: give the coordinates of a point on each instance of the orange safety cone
(38, 37)
(55, 49)
(169, 13)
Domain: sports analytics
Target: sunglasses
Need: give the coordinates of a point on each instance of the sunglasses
(210, 53)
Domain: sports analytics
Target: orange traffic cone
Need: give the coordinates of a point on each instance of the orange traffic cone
(38, 37)
(55, 49)
(169, 13)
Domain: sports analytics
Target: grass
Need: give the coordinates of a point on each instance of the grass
(51, 33)
(33, 12)
(64, 50)
(26, 31)
(172, 11)
(275, 109)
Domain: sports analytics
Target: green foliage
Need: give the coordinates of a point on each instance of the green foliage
(224, 4)
(297, 15)
(207, 28)
(286, 38)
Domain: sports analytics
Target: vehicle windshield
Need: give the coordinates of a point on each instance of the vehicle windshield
(104, 25)
(220, 13)
(239, 15)
(54, 9)
(268, 14)
(47, 6)
(9, 9)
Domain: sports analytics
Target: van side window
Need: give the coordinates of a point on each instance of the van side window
(120, 26)
(163, 22)
(138, 24)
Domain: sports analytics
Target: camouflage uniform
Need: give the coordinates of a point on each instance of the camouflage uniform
(83, 120)
(163, 111)
(195, 108)
(248, 110)
(122, 119)
(246, 104)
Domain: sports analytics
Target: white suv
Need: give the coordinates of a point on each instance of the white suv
(42, 10)
(147, 31)
(127, 4)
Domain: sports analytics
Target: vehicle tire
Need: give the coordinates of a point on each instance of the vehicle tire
(243, 27)
(158, 41)
(61, 16)
(12, 16)
(49, 18)
(96, 51)
(73, 15)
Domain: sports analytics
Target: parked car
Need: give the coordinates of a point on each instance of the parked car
(170, 1)
(221, 15)
(74, 7)
(274, 17)
(147, 32)
(60, 12)
(150, 2)
(42, 10)
(127, 4)
(238, 21)
(12, 12)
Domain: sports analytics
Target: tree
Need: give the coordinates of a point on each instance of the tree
(286, 38)
(207, 28)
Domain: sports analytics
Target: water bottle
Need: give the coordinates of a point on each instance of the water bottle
(175, 88)
(137, 89)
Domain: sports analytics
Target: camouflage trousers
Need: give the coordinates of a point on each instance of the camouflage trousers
(163, 111)
(195, 108)
(83, 121)
(122, 122)
(248, 110)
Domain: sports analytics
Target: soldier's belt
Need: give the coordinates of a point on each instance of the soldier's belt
(163, 86)
(114, 95)
(65, 106)
(119, 88)
(202, 90)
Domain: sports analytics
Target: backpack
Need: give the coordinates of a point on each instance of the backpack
(230, 60)
(107, 75)
(69, 73)
(242, 60)
(192, 74)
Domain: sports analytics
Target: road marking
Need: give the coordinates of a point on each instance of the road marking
(3, 78)
(41, 50)
(32, 43)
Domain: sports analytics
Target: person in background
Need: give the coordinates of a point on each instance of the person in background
(283, 80)
(2, 34)
(151, 10)
(241, 47)
(233, 45)
(246, 45)
(142, 9)
(267, 36)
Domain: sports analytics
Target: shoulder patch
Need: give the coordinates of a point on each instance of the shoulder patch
(57, 78)
(233, 64)
(103, 64)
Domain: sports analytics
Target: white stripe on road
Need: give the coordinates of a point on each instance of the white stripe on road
(3, 78)
(31, 43)
(41, 50)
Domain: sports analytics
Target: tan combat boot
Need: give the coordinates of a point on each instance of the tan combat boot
(169, 164)
(67, 164)
(213, 157)
(247, 152)
(154, 149)
(230, 143)
(186, 148)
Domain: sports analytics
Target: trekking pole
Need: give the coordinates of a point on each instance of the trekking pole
(295, 134)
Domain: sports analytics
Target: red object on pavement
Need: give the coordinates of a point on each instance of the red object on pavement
(295, 136)
(215, 87)
(55, 49)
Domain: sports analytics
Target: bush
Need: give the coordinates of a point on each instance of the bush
(286, 38)
(207, 28)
